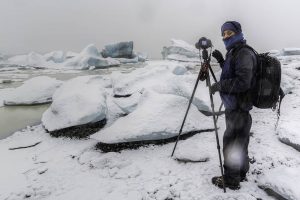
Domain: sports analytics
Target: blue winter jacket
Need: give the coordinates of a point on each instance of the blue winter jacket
(237, 78)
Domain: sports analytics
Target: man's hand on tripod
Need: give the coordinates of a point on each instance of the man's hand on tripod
(215, 87)
(218, 56)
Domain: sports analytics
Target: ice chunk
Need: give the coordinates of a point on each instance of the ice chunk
(181, 51)
(195, 149)
(55, 56)
(283, 181)
(158, 116)
(128, 104)
(290, 51)
(3, 94)
(90, 57)
(32, 59)
(78, 101)
(118, 50)
(159, 76)
(33, 91)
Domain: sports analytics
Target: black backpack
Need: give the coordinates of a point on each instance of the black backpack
(266, 91)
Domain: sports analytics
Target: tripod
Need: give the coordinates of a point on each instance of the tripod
(204, 75)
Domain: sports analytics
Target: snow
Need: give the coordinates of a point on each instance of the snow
(37, 90)
(165, 77)
(60, 168)
(284, 181)
(157, 116)
(129, 104)
(78, 101)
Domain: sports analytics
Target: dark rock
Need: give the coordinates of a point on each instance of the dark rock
(80, 131)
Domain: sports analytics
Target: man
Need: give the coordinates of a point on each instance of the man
(237, 78)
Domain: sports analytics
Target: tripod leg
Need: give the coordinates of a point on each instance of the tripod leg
(186, 113)
(216, 130)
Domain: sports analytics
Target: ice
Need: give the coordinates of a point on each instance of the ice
(128, 60)
(55, 56)
(161, 77)
(90, 57)
(78, 101)
(37, 90)
(157, 116)
(128, 104)
(290, 51)
(118, 50)
(3, 94)
(181, 51)
(195, 149)
(32, 59)
(284, 181)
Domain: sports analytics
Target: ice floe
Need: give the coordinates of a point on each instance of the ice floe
(78, 101)
(157, 116)
(37, 90)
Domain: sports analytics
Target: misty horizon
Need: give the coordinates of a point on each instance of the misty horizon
(70, 26)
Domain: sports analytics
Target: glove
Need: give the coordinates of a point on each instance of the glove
(215, 87)
(218, 56)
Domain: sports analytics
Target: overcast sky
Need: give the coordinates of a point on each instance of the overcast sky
(46, 25)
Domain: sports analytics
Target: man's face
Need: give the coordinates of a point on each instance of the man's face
(228, 34)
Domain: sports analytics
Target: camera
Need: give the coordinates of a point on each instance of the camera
(203, 43)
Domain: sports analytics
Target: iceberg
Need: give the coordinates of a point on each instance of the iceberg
(55, 56)
(180, 51)
(79, 101)
(37, 90)
(118, 50)
(157, 116)
(164, 77)
(90, 57)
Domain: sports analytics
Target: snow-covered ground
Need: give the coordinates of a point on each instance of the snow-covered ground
(61, 168)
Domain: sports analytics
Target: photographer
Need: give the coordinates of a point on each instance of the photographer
(237, 78)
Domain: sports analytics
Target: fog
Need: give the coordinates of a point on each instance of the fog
(46, 25)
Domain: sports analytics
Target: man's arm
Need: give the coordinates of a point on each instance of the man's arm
(244, 64)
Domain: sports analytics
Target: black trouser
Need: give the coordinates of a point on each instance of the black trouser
(235, 145)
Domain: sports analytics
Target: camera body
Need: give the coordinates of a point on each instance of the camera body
(203, 43)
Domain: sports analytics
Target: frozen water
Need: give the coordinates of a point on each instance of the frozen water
(37, 90)
(78, 101)
(158, 116)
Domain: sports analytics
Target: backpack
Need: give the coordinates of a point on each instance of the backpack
(266, 91)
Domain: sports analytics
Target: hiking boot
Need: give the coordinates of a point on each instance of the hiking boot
(243, 178)
(218, 181)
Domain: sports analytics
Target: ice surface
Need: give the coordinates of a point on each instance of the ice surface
(290, 51)
(157, 116)
(33, 91)
(78, 101)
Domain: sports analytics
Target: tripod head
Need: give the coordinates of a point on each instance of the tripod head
(203, 44)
